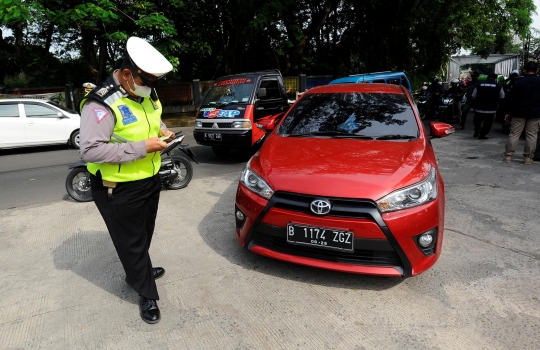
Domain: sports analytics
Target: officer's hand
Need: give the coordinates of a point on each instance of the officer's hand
(506, 117)
(154, 144)
(164, 132)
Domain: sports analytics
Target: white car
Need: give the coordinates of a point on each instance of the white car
(35, 122)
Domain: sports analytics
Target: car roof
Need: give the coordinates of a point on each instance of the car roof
(23, 100)
(358, 78)
(258, 73)
(374, 88)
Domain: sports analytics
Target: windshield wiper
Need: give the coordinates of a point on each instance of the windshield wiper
(335, 134)
(395, 137)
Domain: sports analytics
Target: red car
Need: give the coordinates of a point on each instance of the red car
(347, 181)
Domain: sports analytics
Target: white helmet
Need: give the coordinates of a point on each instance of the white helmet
(455, 80)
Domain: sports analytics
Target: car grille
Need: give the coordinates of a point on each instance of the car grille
(220, 125)
(354, 208)
(374, 252)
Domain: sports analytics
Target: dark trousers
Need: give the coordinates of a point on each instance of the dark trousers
(466, 108)
(130, 218)
(482, 123)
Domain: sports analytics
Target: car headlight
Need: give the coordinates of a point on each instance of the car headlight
(246, 124)
(412, 196)
(198, 124)
(255, 183)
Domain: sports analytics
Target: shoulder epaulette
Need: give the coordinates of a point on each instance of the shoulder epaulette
(106, 92)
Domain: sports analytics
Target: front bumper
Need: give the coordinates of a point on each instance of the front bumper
(384, 244)
(230, 138)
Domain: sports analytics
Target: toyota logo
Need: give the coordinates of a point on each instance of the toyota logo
(320, 206)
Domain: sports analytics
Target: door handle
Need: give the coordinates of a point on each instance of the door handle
(259, 108)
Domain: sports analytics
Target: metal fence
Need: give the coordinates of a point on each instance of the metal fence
(171, 95)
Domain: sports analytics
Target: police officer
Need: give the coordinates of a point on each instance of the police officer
(120, 139)
(486, 96)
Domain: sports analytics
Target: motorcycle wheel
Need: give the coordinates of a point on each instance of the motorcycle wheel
(185, 173)
(78, 185)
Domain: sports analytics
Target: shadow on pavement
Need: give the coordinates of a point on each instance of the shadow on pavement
(217, 229)
(91, 255)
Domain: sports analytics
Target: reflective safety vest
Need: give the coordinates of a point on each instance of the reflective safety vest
(134, 122)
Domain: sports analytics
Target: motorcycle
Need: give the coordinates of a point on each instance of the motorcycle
(446, 110)
(175, 171)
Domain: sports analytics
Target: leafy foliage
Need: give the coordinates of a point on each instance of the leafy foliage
(207, 39)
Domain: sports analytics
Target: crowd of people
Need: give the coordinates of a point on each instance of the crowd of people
(515, 102)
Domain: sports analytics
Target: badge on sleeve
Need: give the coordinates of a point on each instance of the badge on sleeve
(127, 115)
(100, 114)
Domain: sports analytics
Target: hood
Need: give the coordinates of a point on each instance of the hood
(344, 168)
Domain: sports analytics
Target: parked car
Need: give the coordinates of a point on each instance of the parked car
(35, 122)
(395, 78)
(348, 181)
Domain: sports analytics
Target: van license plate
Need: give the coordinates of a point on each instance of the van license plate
(212, 136)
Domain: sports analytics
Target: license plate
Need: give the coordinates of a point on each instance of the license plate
(212, 136)
(321, 237)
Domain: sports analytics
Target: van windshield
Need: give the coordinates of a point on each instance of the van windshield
(224, 94)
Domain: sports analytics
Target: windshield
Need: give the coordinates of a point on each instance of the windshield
(356, 115)
(61, 107)
(224, 93)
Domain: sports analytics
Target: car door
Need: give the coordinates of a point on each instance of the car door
(11, 125)
(271, 103)
(43, 125)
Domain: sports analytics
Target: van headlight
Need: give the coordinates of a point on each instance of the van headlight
(246, 124)
(412, 196)
(198, 124)
(255, 183)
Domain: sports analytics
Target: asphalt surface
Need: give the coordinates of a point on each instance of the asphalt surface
(36, 175)
(63, 286)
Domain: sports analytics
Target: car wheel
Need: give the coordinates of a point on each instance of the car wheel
(221, 151)
(74, 140)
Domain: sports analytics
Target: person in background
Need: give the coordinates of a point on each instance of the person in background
(121, 139)
(471, 85)
(486, 96)
(456, 92)
(525, 113)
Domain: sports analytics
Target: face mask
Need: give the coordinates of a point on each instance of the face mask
(141, 91)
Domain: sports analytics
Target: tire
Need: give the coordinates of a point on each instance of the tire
(74, 140)
(185, 173)
(78, 185)
(221, 151)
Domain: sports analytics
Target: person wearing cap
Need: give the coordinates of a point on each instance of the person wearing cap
(486, 96)
(525, 113)
(120, 140)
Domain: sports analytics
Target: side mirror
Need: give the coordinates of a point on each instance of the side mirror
(266, 124)
(438, 129)
(261, 92)
(60, 115)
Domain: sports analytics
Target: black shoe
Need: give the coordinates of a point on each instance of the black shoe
(158, 272)
(475, 134)
(149, 310)
(536, 158)
(482, 137)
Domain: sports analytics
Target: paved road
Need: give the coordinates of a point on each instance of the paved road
(63, 287)
(36, 175)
